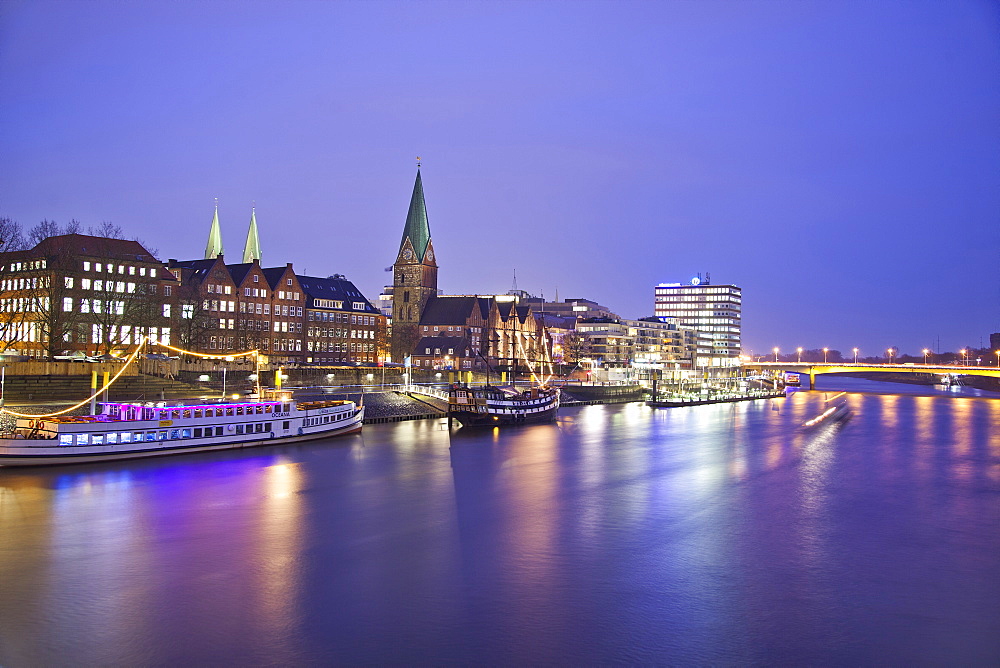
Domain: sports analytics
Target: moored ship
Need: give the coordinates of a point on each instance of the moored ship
(492, 406)
(130, 430)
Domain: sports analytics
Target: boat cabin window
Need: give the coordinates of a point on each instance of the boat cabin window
(267, 408)
(65, 439)
(112, 438)
(239, 410)
(284, 408)
(197, 413)
(260, 409)
(82, 439)
(187, 413)
(126, 437)
(175, 415)
(219, 412)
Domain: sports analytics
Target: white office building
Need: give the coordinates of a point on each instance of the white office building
(713, 311)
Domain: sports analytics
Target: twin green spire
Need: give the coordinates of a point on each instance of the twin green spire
(417, 229)
(251, 250)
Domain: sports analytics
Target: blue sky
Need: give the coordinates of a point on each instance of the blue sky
(838, 160)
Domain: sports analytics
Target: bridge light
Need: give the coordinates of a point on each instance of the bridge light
(855, 355)
(799, 351)
(890, 351)
(825, 350)
(926, 353)
(776, 354)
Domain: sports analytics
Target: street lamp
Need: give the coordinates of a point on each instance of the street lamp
(775, 355)
(825, 350)
(963, 352)
(998, 357)
(799, 352)
(855, 355)
(926, 353)
(890, 351)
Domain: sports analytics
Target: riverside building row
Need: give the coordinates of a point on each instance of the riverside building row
(80, 293)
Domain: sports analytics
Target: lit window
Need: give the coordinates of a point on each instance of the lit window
(86, 266)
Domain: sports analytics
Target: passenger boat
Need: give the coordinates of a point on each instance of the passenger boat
(837, 413)
(129, 430)
(493, 406)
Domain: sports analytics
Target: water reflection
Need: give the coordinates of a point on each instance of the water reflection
(620, 534)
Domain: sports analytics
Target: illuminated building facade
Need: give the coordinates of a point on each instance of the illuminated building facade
(713, 311)
(82, 293)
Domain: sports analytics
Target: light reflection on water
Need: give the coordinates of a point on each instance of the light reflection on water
(711, 534)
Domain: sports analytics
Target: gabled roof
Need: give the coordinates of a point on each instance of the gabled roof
(339, 289)
(448, 310)
(198, 268)
(239, 271)
(275, 274)
(417, 229)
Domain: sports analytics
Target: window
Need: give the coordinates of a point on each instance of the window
(166, 290)
(67, 303)
(289, 281)
(256, 278)
(86, 266)
(166, 310)
(229, 290)
(97, 266)
(187, 311)
(267, 309)
(246, 291)
(152, 273)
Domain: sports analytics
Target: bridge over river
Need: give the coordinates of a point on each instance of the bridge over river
(812, 369)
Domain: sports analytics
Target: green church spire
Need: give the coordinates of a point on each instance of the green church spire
(214, 247)
(251, 250)
(417, 229)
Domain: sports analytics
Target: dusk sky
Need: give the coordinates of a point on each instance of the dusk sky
(840, 161)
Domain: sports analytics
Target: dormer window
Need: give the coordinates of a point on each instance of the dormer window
(256, 278)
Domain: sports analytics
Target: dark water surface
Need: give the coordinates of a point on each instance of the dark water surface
(706, 535)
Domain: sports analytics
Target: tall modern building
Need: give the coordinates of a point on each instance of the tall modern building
(713, 311)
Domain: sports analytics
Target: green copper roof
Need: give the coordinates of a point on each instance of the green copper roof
(251, 250)
(417, 229)
(214, 247)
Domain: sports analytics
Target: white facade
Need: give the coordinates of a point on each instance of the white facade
(714, 311)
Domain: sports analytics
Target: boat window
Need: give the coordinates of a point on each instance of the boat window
(187, 413)
(175, 433)
(260, 409)
(267, 426)
(197, 413)
(98, 439)
(164, 415)
(267, 408)
(239, 429)
(112, 438)
(161, 436)
(239, 410)
(284, 408)
(197, 432)
(82, 439)
(218, 431)
(285, 425)
(229, 411)
(175, 415)
(126, 437)
(65, 439)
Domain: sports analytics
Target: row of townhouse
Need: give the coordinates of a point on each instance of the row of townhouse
(95, 295)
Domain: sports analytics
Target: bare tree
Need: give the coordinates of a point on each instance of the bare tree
(43, 230)
(193, 322)
(575, 347)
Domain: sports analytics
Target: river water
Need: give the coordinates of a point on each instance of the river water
(720, 534)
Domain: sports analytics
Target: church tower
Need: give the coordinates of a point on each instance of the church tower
(251, 249)
(213, 248)
(414, 275)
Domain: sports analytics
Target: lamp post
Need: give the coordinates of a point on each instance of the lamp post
(998, 357)
(890, 351)
(775, 355)
(825, 351)
(926, 353)
(855, 355)
(798, 351)
(963, 352)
